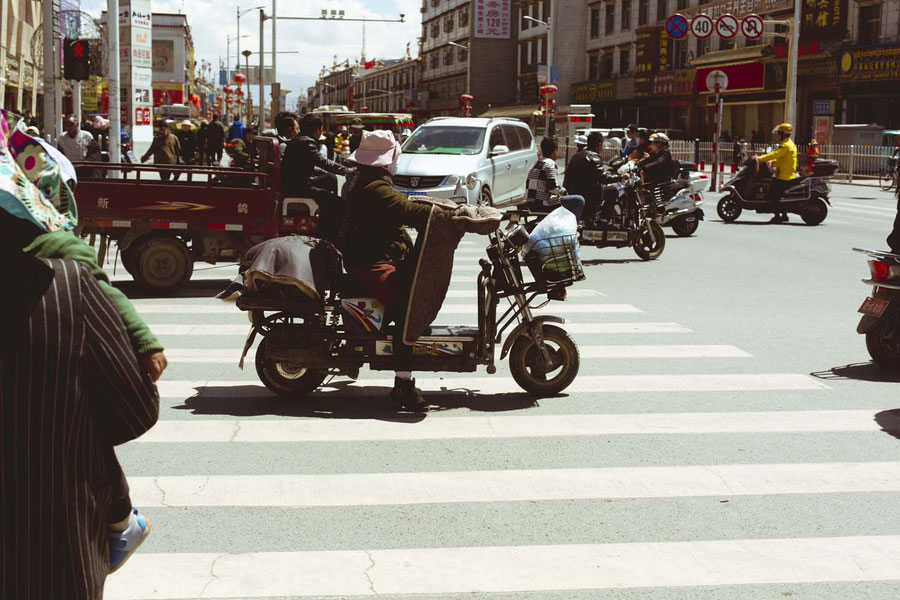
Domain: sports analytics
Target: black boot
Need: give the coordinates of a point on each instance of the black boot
(406, 394)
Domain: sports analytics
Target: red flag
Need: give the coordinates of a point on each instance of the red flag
(369, 64)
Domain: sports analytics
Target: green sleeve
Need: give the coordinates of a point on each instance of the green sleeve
(63, 244)
(399, 208)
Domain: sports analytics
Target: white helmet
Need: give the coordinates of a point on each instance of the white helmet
(659, 137)
(581, 140)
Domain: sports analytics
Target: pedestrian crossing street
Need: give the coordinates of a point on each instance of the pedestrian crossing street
(676, 465)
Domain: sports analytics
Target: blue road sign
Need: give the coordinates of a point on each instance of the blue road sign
(677, 26)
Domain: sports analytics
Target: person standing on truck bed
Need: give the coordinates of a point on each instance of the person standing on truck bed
(236, 131)
(165, 150)
(215, 142)
(201, 141)
(188, 140)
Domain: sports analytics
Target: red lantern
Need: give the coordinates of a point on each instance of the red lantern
(238, 101)
(239, 78)
(228, 91)
(467, 98)
(239, 92)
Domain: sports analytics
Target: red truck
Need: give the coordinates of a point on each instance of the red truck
(162, 227)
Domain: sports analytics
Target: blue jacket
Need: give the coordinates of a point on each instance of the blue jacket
(236, 131)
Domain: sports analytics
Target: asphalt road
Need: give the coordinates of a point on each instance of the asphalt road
(726, 438)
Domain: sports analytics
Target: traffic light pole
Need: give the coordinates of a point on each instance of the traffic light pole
(76, 100)
(51, 108)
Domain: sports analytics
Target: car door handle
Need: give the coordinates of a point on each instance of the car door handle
(508, 167)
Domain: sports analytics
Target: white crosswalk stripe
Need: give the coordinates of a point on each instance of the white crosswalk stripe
(632, 393)
(492, 569)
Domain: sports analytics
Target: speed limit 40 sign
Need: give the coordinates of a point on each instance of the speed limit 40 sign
(702, 26)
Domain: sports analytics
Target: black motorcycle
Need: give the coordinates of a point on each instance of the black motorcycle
(808, 196)
(881, 311)
(303, 342)
(633, 220)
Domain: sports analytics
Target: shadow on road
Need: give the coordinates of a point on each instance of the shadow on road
(344, 400)
(797, 223)
(609, 261)
(889, 421)
(859, 371)
(198, 288)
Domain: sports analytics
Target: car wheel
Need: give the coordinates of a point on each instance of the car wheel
(486, 199)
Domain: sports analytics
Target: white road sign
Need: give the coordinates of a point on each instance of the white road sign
(702, 26)
(727, 26)
(752, 27)
(714, 77)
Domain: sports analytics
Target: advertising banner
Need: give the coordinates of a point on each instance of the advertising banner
(647, 50)
(743, 77)
(493, 19)
(738, 8)
(593, 91)
(878, 63)
(136, 56)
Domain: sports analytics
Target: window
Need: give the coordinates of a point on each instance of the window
(523, 57)
(434, 60)
(606, 65)
(624, 61)
(461, 54)
(496, 138)
(610, 17)
(512, 138)
(435, 29)
(595, 23)
(448, 24)
(679, 54)
(593, 67)
(532, 53)
(870, 24)
(525, 138)
(662, 9)
(703, 46)
(464, 17)
(643, 11)
(682, 4)
(542, 51)
(448, 57)
(626, 15)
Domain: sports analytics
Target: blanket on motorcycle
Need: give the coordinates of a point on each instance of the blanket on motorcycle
(447, 224)
(295, 267)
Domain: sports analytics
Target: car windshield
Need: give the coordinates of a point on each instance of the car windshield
(445, 140)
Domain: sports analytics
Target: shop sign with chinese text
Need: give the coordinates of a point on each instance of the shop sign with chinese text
(647, 50)
(881, 63)
(593, 91)
(492, 19)
(824, 19)
(739, 8)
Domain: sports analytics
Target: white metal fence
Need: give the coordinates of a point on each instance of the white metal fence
(854, 162)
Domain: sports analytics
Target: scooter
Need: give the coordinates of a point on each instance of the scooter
(881, 311)
(808, 197)
(303, 342)
(678, 204)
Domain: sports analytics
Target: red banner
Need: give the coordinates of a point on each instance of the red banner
(747, 76)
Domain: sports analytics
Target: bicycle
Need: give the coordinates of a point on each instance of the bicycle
(890, 175)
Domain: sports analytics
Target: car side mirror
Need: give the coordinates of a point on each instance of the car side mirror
(499, 149)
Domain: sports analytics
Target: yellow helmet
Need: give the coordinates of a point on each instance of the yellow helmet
(784, 128)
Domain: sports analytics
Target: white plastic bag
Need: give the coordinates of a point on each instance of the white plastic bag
(548, 240)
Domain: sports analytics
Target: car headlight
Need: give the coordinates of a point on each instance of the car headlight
(472, 181)
(452, 180)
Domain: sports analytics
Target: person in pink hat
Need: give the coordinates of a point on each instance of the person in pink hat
(378, 251)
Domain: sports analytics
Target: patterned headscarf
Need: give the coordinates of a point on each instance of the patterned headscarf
(33, 178)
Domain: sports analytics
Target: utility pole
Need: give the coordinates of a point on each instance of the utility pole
(112, 78)
(262, 62)
(790, 108)
(275, 99)
(51, 72)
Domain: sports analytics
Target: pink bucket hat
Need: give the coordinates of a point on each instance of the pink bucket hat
(376, 149)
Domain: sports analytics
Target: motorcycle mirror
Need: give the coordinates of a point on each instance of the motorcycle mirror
(768, 149)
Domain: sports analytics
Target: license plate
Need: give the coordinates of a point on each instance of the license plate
(874, 307)
(616, 236)
(412, 193)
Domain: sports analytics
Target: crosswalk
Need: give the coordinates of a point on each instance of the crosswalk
(675, 462)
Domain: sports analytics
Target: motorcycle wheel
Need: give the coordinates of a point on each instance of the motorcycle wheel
(525, 362)
(886, 179)
(814, 212)
(652, 241)
(685, 228)
(883, 341)
(286, 379)
(729, 208)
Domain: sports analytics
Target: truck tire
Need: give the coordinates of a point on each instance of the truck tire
(162, 264)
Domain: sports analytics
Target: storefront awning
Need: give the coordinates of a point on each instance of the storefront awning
(518, 111)
(730, 56)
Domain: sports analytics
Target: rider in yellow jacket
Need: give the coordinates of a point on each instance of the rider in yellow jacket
(785, 159)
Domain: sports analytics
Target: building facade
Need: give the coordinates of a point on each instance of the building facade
(849, 67)
(391, 87)
(20, 85)
(467, 46)
(173, 59)
(333, 87)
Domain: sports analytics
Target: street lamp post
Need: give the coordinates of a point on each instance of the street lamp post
(240, 13)
(231, 38)
(549, 56)
(247, 54)
(468, 64)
